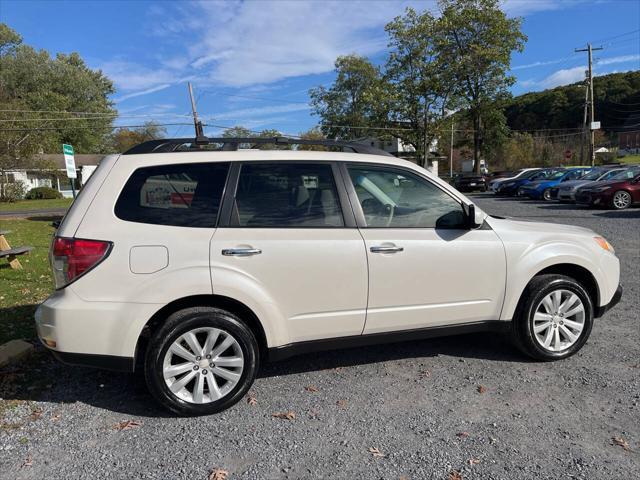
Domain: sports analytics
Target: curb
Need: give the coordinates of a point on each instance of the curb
(13, 351)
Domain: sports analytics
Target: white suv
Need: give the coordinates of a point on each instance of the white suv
(196, 265)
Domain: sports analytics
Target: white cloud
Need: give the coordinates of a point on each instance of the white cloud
(620, 59)
(143, 92)
(240, 115)
(528, 7)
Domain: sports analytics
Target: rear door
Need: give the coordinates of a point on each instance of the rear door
(288, 238)
(426, 268)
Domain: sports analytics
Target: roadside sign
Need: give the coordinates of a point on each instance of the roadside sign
(595, 125)
(69, 160)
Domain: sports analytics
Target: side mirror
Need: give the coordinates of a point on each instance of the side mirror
(471, 217)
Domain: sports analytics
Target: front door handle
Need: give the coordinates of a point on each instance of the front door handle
(241, 252)
(386, 249)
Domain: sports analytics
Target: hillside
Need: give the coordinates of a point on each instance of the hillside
(617, 97)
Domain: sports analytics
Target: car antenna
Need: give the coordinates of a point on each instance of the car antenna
(200, 137)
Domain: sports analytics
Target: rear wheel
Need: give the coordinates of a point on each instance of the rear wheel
(546, 195)
(203, 360)
(621, 200)
(554, 318)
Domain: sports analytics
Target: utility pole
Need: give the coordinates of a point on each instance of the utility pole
(200, 138)
(451, 153)
(583, 137)
(590, 51)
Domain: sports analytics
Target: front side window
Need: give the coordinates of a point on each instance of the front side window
(393, 198)
(187, 195)
(287, 195)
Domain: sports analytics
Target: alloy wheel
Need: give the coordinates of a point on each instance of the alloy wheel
(621, 200)
(203, 365)
(559, 320)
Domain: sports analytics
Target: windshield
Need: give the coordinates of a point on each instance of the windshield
(627, 174)
(592, 175)
(557, 175)
(526, 173)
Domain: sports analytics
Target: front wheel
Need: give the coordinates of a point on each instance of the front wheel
(201, 361)
(546, 195)
(621, 200)
(553, 319)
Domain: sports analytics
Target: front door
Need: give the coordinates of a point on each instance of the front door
(425, 267)
(290, 244)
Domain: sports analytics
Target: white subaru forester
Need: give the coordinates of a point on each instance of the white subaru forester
(196, 264)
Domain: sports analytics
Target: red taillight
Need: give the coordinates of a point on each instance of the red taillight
(71, 257)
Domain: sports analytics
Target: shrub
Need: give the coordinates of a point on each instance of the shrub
(12, 192)
(41, 193)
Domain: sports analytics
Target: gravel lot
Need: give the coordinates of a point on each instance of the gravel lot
(470, 404)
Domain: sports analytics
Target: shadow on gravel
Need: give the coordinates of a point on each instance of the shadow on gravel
(45, 218)
(620, 214)
(564, 207)
(44, 379)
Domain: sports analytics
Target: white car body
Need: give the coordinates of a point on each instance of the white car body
(309, 284)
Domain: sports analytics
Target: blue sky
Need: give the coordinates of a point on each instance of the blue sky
(253, 62)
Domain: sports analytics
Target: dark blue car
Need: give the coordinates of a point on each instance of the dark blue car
(541, 189)
(510, 187)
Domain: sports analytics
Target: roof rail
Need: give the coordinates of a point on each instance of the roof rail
(233, 143)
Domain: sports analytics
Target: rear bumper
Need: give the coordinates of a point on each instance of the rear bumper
(600, 311)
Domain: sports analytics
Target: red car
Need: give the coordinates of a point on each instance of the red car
(619, 192)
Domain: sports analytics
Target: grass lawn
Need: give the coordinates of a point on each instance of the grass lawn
(22, 290)
(630, 159)
(26, 205)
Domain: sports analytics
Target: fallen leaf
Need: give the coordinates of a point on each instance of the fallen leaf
(482, 389)
(36, 414)
(474, 461)
(55, 418)
(342, 403)
(337, 369)
(285, 415)
(28, 462)
(425, 373)
(376, 452)
(127, 425)
(622, 443)
(251, 399)
(462, 434)
(455, 475)
(311, 388)
(218, 474)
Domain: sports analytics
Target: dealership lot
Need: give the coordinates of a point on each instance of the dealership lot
(470, 404)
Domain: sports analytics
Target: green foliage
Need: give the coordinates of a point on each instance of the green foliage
(616, 97)
(42, 193)
(12, 191)
(351, 104)
(125, 138)
(313, 134)
(242, 132)
(38, 89)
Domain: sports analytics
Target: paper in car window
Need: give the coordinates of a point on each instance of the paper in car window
(310, 181)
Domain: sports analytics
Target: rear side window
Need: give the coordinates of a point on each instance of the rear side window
(287, 195)
(187, 195)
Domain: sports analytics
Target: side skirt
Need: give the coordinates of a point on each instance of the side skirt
(292, 349)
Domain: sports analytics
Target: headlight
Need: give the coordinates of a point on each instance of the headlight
(604, 244)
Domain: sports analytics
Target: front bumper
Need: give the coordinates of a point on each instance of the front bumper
(567, 195)
(590, 198)
(600, 311)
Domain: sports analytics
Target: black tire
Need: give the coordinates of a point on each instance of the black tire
(522, 324)
(546, 195)
(176, 325)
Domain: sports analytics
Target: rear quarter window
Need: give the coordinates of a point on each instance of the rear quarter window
(187, 195)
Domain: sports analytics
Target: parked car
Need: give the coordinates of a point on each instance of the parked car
(258, 255)
(501, 174)
(510, 187)
(620, 192)
(469, 182)
(541, 189)
(566, 191)
(493, 184)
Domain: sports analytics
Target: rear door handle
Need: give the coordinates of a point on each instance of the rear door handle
(241, 252)
(386, 249)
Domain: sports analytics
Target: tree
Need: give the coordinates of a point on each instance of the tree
(37, 94)
(350, 106)
(417, 84)
(313, 134)
(242, 132)
(125, 138)
(475, 43)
